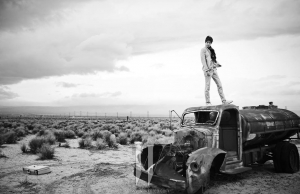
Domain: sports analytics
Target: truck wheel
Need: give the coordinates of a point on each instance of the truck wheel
(277, 155)
(290, 158)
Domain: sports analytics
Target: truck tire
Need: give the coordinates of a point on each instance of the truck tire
(277, 156)
(290, 158)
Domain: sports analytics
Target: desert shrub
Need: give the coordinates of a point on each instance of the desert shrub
(60, 135)
(10, 137)
(129, 126)
(50, 138)
(70, 134)
(36, 143)
(114, 129)
(145, 138)
(86, 135)
(81, 143)
(123, 139)
(23, 148)
(97, 134)
(46, 151)
(106, 135)
(2, 155)
(20, 131)
(100, 144)
(112, 142)
(136, 136)
(152, 133)
(2, 139)
(35, 130)
(136, 129)
(167, 132)
(129, 132)
(85, 143)
(80, 133)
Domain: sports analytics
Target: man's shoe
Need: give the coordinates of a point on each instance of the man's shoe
(208, 104)
(227, 101)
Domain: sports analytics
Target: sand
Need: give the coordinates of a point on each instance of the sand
(110, 171)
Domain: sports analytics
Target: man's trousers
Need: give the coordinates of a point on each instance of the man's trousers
(213, 74)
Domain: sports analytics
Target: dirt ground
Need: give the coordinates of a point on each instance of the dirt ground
(110, 171)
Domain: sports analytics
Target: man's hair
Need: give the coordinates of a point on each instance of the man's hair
(208, 38)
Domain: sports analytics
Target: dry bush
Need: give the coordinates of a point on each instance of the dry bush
(23, 148)
(112, 142)
(100, 144)
(167, 132)
(20, 131)
(36, 143)
(60, 135)
(70, 134)
(96, 134)
(46, 152)
(152, 133)
(80, 133)
(123, 139)
(136, 136)
(10, 137)
(85, 143)
(129, 132)
(2, 140)
(50, 138)
(106, 135)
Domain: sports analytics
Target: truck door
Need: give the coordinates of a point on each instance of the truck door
(228, 132)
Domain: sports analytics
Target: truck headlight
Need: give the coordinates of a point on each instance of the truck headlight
(195, 167)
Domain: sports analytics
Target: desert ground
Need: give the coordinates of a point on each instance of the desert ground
(110, 170)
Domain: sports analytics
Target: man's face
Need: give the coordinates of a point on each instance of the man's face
(207, 44)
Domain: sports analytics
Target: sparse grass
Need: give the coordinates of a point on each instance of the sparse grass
(25, 182)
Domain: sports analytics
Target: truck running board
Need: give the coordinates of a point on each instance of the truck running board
(236, 170)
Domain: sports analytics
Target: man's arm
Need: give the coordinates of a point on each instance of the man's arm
(203, 60)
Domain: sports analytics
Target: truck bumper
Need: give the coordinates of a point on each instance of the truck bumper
(158, 180)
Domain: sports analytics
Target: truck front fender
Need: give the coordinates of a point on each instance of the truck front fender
(198, 167)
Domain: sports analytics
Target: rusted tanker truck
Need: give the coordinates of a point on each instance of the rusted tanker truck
(221, 139)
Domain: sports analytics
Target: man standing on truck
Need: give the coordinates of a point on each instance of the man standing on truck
(210, 64)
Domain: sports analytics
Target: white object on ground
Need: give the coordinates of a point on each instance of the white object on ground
(37, 170)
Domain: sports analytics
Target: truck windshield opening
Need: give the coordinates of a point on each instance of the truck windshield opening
(207, 117)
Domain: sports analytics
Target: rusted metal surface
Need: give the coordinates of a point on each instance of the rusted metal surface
(266, 126)
(198, 176)
(159, 180)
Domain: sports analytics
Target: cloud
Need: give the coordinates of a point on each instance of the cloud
(97, 95)
(66, 85)
(272, 77)
(40, 38)
(6, 95)
(20, 14)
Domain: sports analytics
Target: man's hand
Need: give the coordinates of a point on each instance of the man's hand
(209, 72)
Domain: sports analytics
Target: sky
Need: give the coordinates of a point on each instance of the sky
(143, 57)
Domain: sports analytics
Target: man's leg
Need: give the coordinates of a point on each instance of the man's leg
(217, 80)
(207, 88)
